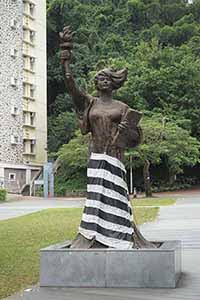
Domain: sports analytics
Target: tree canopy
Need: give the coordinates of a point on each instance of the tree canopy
(164, 140)
(159, 42)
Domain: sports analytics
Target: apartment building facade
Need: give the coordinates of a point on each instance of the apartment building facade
(23, 104)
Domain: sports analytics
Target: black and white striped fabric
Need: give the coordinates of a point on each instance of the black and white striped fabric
(107, 214)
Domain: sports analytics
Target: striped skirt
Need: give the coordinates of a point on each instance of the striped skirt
(107, 215)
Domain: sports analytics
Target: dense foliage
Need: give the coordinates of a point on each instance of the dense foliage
(3, 194)
(164, 141)
(158, 40)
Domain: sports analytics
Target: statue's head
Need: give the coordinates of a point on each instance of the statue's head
(110, 79)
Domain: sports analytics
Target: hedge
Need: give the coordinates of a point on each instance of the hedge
(3, 194)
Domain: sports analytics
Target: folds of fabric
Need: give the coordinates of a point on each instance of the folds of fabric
(107, 214)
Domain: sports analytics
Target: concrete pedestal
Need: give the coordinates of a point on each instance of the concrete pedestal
(61, 266)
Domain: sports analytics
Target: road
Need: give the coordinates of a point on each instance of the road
(23, 207)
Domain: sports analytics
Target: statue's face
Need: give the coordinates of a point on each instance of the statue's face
(104, 83)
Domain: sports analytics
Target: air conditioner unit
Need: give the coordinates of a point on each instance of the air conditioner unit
(14, 139)
(13, 23)
(14, 110)
(13, 52)
(13, 81)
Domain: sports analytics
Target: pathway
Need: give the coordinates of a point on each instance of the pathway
(18, 208)
(180, 221)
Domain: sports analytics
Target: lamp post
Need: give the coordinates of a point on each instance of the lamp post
(131, 175)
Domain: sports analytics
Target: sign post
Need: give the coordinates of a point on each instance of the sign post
(48, 176)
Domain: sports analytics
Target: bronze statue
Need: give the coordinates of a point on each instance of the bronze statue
(107, 218)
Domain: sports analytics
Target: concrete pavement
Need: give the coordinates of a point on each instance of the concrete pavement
(180, 221)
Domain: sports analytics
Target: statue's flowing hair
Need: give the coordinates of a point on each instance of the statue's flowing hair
(117, 77)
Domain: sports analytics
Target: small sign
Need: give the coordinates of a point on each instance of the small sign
(39, 182)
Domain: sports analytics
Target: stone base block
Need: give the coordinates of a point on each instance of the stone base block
(61, 266)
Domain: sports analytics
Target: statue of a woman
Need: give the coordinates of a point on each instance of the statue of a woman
(107, 218)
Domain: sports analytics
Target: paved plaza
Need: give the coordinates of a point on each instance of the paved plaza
(180, 221)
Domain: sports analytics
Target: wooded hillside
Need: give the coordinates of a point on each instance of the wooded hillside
(159, 42)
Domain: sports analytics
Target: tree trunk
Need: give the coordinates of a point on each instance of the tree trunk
(140, 241)
(80, 242)
(147, 181)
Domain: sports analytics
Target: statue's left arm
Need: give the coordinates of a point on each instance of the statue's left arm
(129, 132)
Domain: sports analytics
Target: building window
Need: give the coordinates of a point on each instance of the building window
(12, 176)
(32, 91)
(32, 118)
(32, 9)
(32, 146)
(24, 34)
(24, 6)
(32, 63)
(24, 118)
(24, 62)
(32, 36)
(24, 146)
(24, 89)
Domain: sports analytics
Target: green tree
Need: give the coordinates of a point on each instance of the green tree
(71, 165)
(180, 150)
(164, 140)
(61, 129)
(158, 40)
(74, 155)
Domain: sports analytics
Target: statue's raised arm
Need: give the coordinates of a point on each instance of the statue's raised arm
(81, 100)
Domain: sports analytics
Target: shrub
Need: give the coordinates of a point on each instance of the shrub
(3, 194)
(77, 183)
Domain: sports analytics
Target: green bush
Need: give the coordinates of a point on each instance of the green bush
(168, 188)
(3, 194)
(77, 183)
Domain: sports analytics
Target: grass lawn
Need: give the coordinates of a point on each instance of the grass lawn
(21, 238)
(153, 202)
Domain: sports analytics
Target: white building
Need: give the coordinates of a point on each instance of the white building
(23, 99)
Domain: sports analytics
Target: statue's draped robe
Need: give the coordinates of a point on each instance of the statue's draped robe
(107, 216)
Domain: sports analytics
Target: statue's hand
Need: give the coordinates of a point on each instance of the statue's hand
(66, 38)
(123, 126)
(66, 43)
